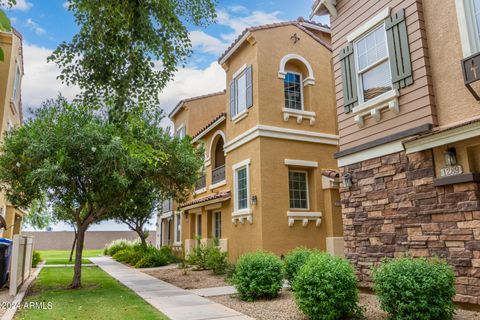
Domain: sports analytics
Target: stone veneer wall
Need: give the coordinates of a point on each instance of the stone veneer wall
(394, 209)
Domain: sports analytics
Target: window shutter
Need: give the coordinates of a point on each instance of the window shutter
(232, 99)
(248, 76)
(397, 39)
(349, 78)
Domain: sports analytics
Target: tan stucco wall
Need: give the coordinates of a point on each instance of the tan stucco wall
(268, 173)
(454, 102)
(196, 114)
(468, 155)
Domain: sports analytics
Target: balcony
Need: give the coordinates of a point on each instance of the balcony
(218, 174)
(201, 183)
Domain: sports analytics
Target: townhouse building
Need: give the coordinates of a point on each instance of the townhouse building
(409, 124)
(11, 72)
(270, 180)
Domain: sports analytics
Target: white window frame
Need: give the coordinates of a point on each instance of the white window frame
(178, 228)
(469, 33)
(214, 224)
(179, 129)
(307, 186)
(17, 83)
(359, 72)
(240, 72)
(301, 89)
(236, 168)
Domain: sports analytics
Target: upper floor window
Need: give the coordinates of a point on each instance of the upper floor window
(16, 84)
(298, 189)
(373, 67)
(468, 13)
(182, 132)
(293, 88)
(241, 91)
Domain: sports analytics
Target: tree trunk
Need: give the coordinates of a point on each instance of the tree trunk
(142, 237)
(77, 269)
(73, 246)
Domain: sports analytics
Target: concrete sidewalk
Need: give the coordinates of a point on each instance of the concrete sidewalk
(175, 303)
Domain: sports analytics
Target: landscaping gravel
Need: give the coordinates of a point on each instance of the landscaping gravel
(284, 308)
(192, 280)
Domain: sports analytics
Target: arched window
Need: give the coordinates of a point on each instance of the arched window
(218, 158)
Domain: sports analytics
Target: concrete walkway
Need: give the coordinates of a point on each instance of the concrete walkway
(175, 303)
(214, 292)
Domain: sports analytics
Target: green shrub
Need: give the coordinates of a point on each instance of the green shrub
(168, 253)
(420, 289)
(152, 259)
(198, 257)
(122, 255)
(36, 258)
(325, 288)
(258, 275)
(216, 260)
(229, 272)
(115, 246)
(135, 255)
(294, 260)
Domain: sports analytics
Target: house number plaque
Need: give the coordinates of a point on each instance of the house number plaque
(451, 171)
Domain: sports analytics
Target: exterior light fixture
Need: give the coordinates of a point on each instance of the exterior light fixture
(347, 180)
(253, 200)
(450, 157)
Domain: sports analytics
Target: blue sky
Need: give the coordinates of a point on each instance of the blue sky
(46, 23)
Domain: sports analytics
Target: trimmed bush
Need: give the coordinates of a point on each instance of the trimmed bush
(325, 288)
(122, 255)
(152, 259)
(36, 258)
(115, 246)
(216, 260)
(409, 288)
(294, 260)
(258, 275)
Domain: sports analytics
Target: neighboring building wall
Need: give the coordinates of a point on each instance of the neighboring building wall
(63, 240)
(10, 111)
(415, 101)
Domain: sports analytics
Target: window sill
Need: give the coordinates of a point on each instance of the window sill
(242, 215)
(304, 216)
(200, 191)
(372, 107)
(300, 115)
(218, 184)
(239, 117)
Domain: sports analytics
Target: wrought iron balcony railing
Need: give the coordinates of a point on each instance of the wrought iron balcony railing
(218, 174)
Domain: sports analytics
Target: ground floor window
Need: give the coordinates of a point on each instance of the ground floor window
(178, 227)
(217, 225)
(169, 231)
(199, 225)
(298, 189)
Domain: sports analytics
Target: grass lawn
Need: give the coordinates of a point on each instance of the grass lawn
(61, 256)
(101, 297)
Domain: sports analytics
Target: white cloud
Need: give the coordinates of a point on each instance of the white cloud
(237, 8)
(207, 43)
(40, 81)
(32, 25)
(22, 5)
(65, 5)
(238, 24)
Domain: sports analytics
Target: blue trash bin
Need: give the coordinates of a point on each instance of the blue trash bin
(5, 253)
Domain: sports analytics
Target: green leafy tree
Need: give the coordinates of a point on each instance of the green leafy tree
(84, 165)
(127, 50)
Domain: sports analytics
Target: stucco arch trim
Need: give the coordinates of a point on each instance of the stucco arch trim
(309, 80)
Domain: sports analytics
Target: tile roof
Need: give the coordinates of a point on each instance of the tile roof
(296, 23)
(181, 102)
(223, 114)
(219, 195)
(331, 173)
